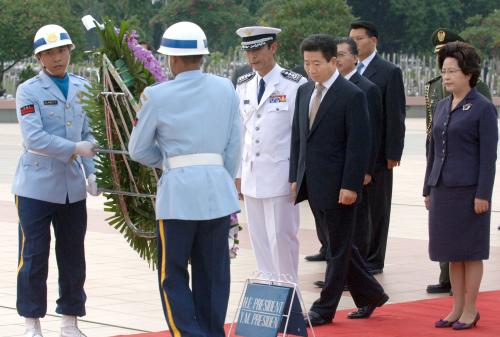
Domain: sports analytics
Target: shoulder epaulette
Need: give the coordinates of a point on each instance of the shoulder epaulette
(80, 78)
(434, 79)
(290, 75)
(32, 80)
(245, 78)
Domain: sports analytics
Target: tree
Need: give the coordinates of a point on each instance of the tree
(299, 19)
(407, 25)
(219, 19)
(19, 21)
(484, 33)
(417, 32)
(138, 14)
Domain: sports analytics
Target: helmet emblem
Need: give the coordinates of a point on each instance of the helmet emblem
(52, 37)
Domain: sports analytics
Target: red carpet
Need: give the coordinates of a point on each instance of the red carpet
(410, 319)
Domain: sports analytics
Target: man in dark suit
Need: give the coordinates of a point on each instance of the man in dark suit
(329, 156)
(389, 79)
(347, 56)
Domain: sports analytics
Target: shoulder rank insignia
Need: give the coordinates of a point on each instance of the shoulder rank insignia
(245, 78)
(288, 74)
(434, 79)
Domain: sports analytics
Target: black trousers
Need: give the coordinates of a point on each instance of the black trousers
(322, 236)
(362, 224)
(379, 194)
(70, 225)
(199, 311)
(344, 263)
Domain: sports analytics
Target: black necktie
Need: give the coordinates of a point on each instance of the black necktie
(262, 88)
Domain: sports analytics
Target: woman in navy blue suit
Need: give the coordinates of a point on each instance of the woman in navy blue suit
(459, 180)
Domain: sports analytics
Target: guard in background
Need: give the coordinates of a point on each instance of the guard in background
(267, 103)
(49, 184)
(434, 92)
(190, 127)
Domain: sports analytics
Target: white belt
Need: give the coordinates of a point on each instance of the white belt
(195, 159)
(37, 153)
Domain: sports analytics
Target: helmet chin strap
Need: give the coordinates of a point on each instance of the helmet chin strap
(50, 72)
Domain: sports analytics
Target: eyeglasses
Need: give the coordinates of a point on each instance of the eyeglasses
(450, 71)
(339, 55)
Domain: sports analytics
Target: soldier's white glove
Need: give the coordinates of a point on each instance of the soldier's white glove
(85, 149)
(92, 185)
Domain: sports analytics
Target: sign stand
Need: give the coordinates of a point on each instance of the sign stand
(263, 305)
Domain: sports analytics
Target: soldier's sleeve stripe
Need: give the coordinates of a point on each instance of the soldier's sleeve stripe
(27, 109)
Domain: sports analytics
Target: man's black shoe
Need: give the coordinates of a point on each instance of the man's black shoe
(316, 319)
(315, 257)
(367, 310)
(440, 288)
(319, 284)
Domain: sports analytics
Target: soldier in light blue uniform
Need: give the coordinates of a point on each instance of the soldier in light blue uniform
(49, 185)
(190, 127)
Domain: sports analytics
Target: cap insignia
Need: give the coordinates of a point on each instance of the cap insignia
(441, 35)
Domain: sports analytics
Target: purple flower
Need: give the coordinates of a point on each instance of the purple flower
(145, 57)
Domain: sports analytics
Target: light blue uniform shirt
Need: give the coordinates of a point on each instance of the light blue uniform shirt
(194, 113)
(51, 124)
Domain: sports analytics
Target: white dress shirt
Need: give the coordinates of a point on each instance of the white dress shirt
(327, 84)
(367, 61)
(348, 76)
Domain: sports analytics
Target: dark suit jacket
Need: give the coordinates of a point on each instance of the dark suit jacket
(389, 79)
(374, 100)
(463, 147)
(334, 153)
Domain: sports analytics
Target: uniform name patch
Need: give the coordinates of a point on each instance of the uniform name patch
(52, 102)
(27, 109)
(277, 99)
(246, 101)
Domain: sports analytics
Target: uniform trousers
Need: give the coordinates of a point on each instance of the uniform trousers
(344, 264)
(379, 197)
(273, 224)
(444, 275)
(199, 311)
(70, 224)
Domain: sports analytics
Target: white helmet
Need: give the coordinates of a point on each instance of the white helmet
(51, 36)
(183, 39)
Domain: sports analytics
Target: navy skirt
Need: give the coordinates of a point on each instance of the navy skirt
(456, 233)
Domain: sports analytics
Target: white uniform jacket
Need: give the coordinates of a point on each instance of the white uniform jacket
(267, 130)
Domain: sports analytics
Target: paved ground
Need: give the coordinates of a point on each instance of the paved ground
(123, 293)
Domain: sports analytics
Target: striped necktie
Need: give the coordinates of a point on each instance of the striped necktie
(315, 103)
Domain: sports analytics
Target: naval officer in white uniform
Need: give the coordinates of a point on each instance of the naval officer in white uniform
(267, 101)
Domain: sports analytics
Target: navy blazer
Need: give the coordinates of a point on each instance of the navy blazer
(463, 147)
(334, 153)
